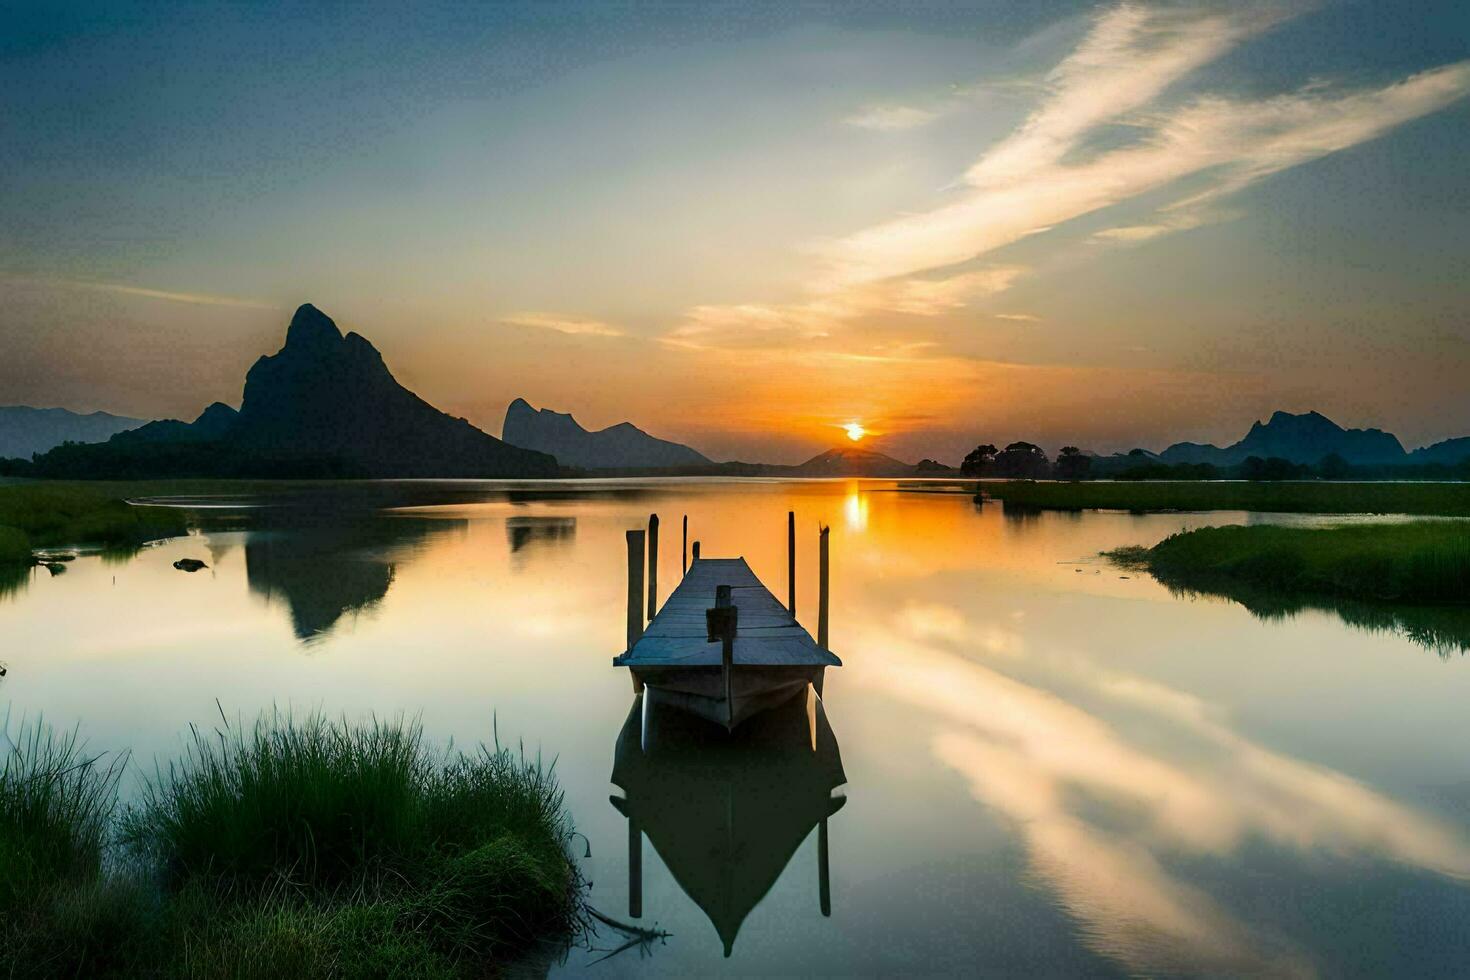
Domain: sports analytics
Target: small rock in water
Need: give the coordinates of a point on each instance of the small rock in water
(55, 567)
(189, 564)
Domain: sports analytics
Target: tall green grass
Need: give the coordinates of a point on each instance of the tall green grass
(56, 807)
(1439, 499)
(290, 848)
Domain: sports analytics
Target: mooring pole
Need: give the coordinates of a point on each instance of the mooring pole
(684, 569)
(635, 595)
(824, 870)
(696, 551)
(822, 594)
(727, 626)
(791, 563)
(652, 566)
(635, 868)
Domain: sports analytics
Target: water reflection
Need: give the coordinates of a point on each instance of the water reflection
(521, 532)
(1110, 825)
(323, 568)
(1445, 630)
(727, 812)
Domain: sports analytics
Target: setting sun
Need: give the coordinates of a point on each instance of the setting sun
(855, 431)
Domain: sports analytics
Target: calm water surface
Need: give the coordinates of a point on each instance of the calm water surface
(1049, 766)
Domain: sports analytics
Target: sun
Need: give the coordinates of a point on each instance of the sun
(855, 431)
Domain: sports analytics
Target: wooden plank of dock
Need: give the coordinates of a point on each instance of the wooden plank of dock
(767, 635)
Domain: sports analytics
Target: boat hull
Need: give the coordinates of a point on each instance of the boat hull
(701, 690)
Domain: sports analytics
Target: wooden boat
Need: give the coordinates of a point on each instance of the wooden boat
(755, 658)
(726, 813)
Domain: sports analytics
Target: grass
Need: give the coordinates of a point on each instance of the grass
(56, 805)
(37, 515)
(1410, 577)
(293, 848)
(1309, 497)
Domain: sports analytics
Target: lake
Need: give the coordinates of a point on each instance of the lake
(1047, 765)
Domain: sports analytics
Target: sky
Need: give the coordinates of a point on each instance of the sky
(744, 226)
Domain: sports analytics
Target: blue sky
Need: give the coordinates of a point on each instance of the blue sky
(745, 225)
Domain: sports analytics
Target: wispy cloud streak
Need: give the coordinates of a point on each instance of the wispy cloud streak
(1044, 174)
(201, 299)
(575, 326)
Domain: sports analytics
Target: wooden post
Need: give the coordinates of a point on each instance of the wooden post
(824, 871)
(652, 566)
(635, 868)
(822, 594)
(684, 569)
(791, 563)
(696, 551)
(726, 626)
(635, 595)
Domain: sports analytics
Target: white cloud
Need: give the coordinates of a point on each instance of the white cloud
(576, 326)
(1021, 317)
(891, 117)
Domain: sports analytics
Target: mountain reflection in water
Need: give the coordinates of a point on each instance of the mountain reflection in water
(726, 812)
(323, 567)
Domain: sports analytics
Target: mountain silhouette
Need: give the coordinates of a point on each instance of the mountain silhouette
(852, 461)
(213, 424)
(25, 431)
(1448, 452)
(621, 446)
(323, 405)
(326, 395)
(1302, 438)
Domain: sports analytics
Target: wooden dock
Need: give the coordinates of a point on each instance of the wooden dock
(771, 657)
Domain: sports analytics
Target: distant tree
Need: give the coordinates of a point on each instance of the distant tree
(1333, 467)
(1072, 464)
(1024, 460)
(980, 461)
(1274, 468)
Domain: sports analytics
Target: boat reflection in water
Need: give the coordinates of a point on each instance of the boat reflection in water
(726, 811)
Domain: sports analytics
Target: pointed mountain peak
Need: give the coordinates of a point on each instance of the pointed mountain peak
(312, 328)
(520, 405)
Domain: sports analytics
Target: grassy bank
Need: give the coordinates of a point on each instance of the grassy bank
(291, 849)
(40, 515)
(1439, 499)
(1412, 578)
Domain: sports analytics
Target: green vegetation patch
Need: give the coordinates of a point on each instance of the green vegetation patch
(1422, 561)
(1438, 499)
(293, 848)
(46, 514)
(1412, 579)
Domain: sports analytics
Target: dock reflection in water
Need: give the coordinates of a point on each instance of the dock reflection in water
(726, 812)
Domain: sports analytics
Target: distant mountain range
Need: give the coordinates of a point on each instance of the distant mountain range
(1302, 438)
(323, 405)
(326, 405)
(25, 430)
(621, 446)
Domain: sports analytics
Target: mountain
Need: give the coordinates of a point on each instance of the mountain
(621, 446)
(852, 461)
(1300, 438)
(323, 405)
(212, 425)
(25, 430)
(1450, 452)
